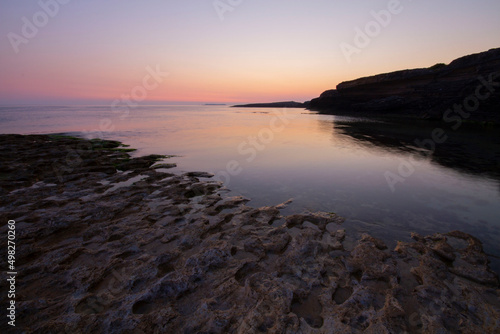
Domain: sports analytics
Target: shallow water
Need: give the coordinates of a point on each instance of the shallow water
(323, 162)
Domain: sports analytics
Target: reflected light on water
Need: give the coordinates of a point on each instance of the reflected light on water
(325, 163)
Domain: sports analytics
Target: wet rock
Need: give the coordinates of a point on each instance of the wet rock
(164, 166)
(144, 257)
(200, 174)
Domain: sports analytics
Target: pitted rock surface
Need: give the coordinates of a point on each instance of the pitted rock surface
(139, 250)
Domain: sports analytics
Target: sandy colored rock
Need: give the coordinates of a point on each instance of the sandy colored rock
(143, 251)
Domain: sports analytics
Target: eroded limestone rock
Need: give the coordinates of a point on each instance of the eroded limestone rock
(143, 251)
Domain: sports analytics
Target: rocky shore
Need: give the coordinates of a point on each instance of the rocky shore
(468, 88)
(106, 243)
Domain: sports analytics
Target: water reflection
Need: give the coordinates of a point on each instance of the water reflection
(470, 150)
(448, 200)
(325, 163)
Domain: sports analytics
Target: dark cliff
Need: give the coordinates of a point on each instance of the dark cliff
(472, 82)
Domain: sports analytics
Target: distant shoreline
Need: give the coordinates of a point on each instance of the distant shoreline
(287, 104)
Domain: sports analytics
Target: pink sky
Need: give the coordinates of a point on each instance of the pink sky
(92, 52)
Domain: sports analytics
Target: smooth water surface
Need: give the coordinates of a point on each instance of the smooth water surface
(321, 161)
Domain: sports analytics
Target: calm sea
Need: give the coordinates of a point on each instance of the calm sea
(324, 163)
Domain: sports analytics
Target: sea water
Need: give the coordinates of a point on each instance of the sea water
(273, 155)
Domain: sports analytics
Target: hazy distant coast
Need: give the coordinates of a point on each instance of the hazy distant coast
(287, 104)
(141, 249)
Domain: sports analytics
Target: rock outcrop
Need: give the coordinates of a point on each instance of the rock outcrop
(288, 104)
(141, 250)
(472, 82)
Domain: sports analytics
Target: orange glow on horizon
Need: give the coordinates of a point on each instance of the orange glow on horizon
(280, 52)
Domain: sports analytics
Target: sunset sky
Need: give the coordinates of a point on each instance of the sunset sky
(95, 51)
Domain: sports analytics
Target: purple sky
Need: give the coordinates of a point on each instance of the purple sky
(224, 51)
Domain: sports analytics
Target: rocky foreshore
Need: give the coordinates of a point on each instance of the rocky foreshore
(106, 243)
